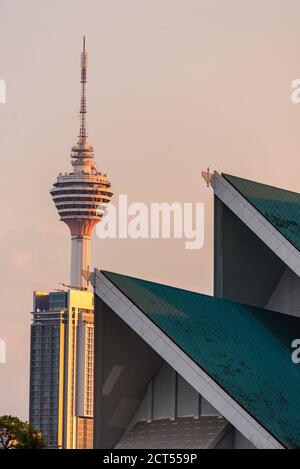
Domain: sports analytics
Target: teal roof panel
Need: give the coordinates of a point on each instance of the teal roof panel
(246, 350)
(280, 207)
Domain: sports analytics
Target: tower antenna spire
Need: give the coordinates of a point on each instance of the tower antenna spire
(83, 132)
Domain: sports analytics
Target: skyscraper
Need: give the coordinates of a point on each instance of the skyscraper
(61, 373)
(62, 330)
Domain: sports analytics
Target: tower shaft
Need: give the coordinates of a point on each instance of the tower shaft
(80, 260)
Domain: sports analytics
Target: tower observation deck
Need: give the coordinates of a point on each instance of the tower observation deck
(81, 195)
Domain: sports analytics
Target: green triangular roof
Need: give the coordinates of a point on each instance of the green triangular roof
(246, 350)
(280, 207)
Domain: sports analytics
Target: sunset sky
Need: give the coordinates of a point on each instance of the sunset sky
(174, 86)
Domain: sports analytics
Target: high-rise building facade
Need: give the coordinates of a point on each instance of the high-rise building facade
(62, 330)
(61, 374)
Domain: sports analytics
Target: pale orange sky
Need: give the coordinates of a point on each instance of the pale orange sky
(174, 86)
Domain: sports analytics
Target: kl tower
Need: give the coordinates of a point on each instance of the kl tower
(81, 195)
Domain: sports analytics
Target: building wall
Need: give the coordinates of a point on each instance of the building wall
(69, 438)
(245, 269)
(44, 406)
(84, 433)
(286, 296)
(61, 367)
(122, 375)
(81, 368)
(78, 366)
(240, 442)
(169, 396)
(89, 369)
(85, 380)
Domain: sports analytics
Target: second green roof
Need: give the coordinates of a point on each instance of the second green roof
(246, 350)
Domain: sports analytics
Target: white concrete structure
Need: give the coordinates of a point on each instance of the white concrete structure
(81, 196)
(163, 399)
